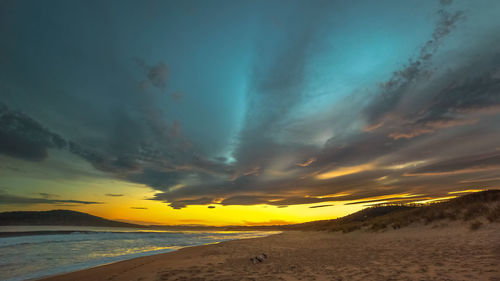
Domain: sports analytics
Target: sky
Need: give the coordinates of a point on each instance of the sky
(246, 112)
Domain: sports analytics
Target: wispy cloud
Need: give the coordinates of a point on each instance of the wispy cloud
(48, 195)
(321, 206)
(7, 199)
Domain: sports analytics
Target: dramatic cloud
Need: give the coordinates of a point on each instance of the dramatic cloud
(304, 104)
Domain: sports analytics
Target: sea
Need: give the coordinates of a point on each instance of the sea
(30, 252)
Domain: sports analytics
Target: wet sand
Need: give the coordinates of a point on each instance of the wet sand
(413, 253)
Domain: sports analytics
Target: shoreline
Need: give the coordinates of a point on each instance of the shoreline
(145, 258)
(87, 267)
(422, 252)
(86, 264)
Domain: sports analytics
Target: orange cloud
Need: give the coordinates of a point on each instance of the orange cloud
(255, 170)
(406, 165)
(465, 191)
(373, 127)
(344, 171)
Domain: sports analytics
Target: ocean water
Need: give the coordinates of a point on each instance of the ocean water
(74, 248)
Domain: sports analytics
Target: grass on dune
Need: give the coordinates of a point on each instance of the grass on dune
(470, 208)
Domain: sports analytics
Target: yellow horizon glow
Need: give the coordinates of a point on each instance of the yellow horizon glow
(159, 213)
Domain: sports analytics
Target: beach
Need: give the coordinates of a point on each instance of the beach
(28, 253)
(432, 252)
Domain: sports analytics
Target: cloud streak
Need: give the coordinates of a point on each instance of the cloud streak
(113, 195)
(7, 199)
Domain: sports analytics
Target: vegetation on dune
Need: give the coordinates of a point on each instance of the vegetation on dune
(485, 204)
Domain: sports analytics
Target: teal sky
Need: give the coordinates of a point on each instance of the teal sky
(247, 102)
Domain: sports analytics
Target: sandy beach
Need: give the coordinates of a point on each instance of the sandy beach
(439, 252)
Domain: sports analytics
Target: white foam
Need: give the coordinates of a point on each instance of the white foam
(29, 257)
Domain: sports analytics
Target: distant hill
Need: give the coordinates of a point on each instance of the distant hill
(58, 217)
(475, 208)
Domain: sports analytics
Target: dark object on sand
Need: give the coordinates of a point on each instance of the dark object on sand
(259, 258)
